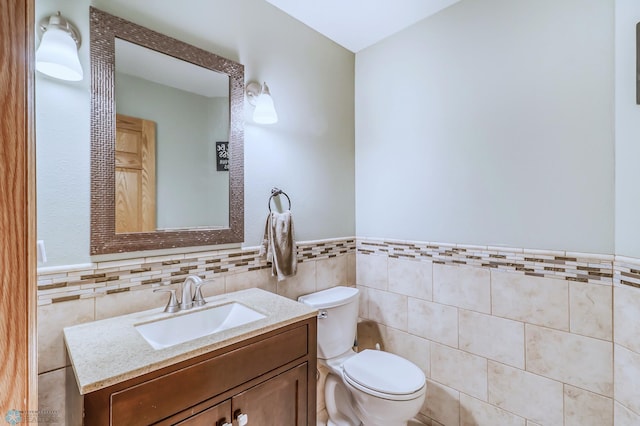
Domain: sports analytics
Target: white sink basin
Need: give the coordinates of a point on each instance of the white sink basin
(182, 328)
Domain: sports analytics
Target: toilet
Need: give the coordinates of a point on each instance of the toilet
(372, 387)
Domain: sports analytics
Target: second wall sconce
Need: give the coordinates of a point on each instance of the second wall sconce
(57, 55)
(259, 96)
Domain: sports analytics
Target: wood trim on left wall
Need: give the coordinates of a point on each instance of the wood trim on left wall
(18, 334)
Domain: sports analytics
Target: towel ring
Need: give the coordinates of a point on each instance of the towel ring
(278, 191)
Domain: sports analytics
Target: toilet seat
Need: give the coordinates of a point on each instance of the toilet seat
(384, 375)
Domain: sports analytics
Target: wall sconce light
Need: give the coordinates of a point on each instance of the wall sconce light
(57, 55)
(259, 96)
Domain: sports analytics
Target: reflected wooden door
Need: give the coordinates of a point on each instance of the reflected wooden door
(135, 174)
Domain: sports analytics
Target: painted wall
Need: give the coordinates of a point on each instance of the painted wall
(490, 123)
(190, 190)
(627, 128)
(309, 153)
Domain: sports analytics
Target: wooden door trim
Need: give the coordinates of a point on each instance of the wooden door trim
(18, 349)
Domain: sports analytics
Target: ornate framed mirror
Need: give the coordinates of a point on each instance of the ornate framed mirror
(154, 181)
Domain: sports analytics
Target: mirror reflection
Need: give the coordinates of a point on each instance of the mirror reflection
(172, 122)
(173, 189)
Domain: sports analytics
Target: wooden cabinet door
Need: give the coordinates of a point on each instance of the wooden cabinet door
(218, 415)
(135, 174)
(280, 401)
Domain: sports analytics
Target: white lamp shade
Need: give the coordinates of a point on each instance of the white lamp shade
(265, 112)
(57, 55)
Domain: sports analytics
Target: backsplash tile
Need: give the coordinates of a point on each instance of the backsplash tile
(58, 284)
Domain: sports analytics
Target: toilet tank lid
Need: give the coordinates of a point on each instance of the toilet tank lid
(335, 296)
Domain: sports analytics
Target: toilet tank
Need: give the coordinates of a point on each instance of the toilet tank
(337, 319)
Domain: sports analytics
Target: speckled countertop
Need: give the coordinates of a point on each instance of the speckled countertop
(110, 351)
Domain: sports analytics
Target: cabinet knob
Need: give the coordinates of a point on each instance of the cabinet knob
(243, 419)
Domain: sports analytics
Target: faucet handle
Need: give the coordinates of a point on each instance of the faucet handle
(172, 304)
(198, 299)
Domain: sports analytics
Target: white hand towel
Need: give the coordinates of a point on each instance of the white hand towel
(279, 245)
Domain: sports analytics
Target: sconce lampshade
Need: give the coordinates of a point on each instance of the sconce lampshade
(57, 55)
(259, 95)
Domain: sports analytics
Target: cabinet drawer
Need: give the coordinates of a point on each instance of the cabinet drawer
(156, 399)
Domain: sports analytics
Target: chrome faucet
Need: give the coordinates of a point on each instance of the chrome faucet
(187, 296)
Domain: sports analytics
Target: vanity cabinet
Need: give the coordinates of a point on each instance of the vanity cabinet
(270, 378)
(275, 402)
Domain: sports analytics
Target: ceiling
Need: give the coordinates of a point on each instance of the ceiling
(357, 24)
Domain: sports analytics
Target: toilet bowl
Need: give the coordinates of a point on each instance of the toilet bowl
(372, 388)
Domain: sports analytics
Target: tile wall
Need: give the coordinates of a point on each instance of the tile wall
(73, 295)
(509, 336)
(505, 336)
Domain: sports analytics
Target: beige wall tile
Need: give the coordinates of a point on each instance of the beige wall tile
(371, 271)
(584, 408)
(495, 338)
(51, 320)
(541, 301)
(252, 279)
(591, 310)
(442, 404)
(525, 394)
(412, 278)
(413, 348)
(213, 287)
(580, 361)
(351, 269)
(433, 321)
(627, 373)
(304, 282)
(51, 397)
(625, 417)
(320, 401)
(530, 423)
(474, 412)
(459, 370)
(421, 420)
(387, 308)
(331, 272)
(627, 317)
(322, 418)
(363, 302)
(116, 304)
(461, 286)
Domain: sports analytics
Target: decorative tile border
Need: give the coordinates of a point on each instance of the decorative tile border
(580, 267)
(626, 271)
(59, 284)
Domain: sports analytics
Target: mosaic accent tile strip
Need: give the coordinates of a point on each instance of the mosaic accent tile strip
(580, 267)
(103, 278)
(626, 271)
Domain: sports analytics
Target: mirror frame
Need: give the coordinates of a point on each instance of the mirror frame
(105, 28)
